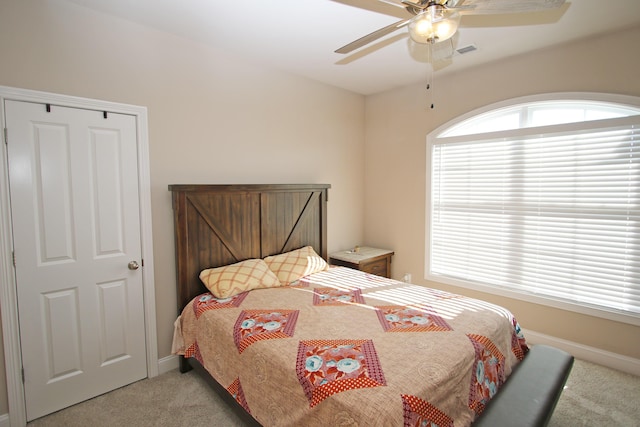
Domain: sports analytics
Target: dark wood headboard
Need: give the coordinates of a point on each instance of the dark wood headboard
(217, 225)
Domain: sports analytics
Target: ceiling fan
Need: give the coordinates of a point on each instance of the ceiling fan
(433, 21)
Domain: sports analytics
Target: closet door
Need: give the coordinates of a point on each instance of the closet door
(77, 245)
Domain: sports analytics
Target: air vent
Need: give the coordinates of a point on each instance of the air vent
(466, 49)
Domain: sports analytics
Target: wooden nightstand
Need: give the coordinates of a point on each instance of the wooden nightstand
(370, 260)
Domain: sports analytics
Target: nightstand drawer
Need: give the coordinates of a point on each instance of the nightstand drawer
(378, 267)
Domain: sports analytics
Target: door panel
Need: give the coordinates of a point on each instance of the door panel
(113, 326)
(52, 188)
(75, 213)
(61, 334)
(107, 192)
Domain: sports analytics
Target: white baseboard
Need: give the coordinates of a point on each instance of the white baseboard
(585, 352)
(4, 420)
(166, 364)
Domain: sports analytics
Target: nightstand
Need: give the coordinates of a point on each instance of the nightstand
(371, 260)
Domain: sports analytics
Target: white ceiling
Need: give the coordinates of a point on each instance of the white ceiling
(300, 36)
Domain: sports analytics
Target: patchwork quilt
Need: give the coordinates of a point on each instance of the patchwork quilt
(343, 347)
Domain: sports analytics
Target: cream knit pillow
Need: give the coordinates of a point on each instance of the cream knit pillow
(291, 266)
(233, 279)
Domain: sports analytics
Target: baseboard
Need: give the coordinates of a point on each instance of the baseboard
(4, 420)
(165, 365)
(585, 352)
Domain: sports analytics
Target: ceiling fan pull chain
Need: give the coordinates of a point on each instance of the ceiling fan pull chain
(431, 93)
(430, 76)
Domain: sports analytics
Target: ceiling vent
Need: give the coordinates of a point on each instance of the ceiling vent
(466, 49)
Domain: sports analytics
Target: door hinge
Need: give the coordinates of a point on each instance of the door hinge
(22, 375)
(13, 255)
(6, 136)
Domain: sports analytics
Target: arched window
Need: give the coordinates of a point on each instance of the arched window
(539, 199)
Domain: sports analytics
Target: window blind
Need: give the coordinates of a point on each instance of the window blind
(554, 214)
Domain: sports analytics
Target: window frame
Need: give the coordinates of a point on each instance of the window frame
(435, 136)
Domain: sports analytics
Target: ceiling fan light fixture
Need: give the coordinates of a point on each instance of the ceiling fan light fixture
(433, 25)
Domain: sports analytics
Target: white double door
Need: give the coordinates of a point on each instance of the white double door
(76, 226)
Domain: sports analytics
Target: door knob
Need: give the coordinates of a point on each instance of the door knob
(133, 265)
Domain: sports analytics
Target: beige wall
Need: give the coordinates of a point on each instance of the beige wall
(213, 118)
(398, 121)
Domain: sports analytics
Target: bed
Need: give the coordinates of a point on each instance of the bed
(293, 341)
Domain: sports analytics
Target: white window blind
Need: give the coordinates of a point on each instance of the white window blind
(554, 214)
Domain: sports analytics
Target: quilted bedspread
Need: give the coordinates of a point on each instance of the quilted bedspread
(342, 347)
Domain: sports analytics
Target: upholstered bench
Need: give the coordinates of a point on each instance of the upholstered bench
(530, 394)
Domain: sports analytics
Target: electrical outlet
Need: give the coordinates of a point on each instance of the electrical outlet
(406, 278)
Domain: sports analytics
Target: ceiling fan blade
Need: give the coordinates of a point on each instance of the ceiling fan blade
(372, 36)
(393, 3)
(488, 7)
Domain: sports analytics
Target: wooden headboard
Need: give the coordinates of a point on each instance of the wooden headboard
(217, 225)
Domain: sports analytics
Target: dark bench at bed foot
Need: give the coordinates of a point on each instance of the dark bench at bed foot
(530, 394)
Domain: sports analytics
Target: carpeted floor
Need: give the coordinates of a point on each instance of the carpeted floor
(598, 396)
(594, 396)
(171, 399)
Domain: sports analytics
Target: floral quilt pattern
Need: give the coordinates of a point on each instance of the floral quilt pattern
(327, 367)
(488, 372)
(332, 296)
(420, 413)
(257, 325)
(399, 318)
(207, 302)
(193, 351)
(518, 342)
(235, 390)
